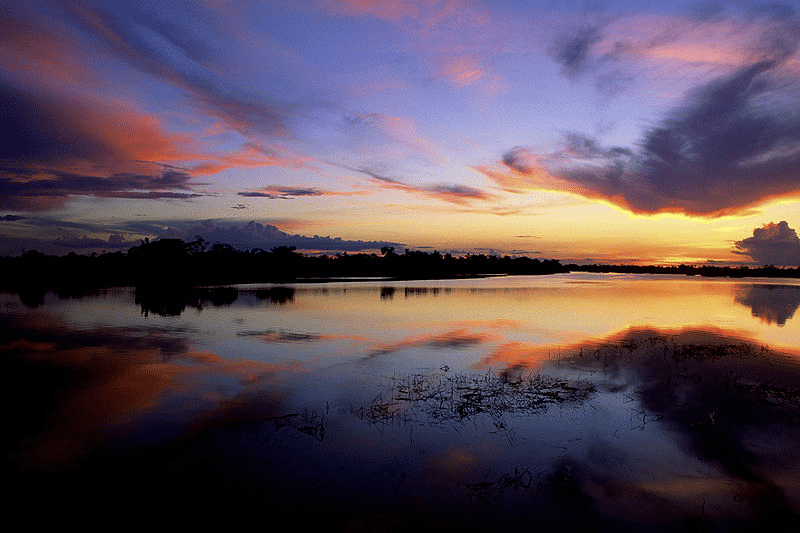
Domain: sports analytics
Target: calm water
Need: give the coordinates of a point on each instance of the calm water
(598, 402)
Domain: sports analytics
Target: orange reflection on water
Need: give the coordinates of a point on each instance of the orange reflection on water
(106, 388)
(531, 356)
(457, 338)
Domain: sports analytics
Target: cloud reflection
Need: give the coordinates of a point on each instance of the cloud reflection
(77, 391)
(455, 339)
(773, 304)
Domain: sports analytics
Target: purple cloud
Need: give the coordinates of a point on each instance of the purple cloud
(772, 244)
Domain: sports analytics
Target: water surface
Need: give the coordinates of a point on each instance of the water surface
(601, 401)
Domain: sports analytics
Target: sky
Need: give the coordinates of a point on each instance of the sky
(596, 131)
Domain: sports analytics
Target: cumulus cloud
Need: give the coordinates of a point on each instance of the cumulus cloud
(265, 236)
(732, 144)
(772, 244)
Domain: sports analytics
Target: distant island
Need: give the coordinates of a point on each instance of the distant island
(171, 263)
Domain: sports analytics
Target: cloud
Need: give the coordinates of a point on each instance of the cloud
(180, 50)
(618, 50)
(54, 188)
(11, 218)
(278, 192)
(374, 128)
(389, 10)
(63, 111)
(573, 50)
(732, 144)
(265, 236)
(772, 244)
(57, 146)
(275, 192)
(457, 38)
(42, 128)
(452, 193)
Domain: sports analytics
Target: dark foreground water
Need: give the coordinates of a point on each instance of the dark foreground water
(567, 402)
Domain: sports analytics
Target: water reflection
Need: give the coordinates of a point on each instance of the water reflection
(276, 295)
(774, 304)
(483, 406)
(172, 301)
(387, 293)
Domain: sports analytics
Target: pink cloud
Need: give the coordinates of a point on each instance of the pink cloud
(389, 10)
(457, 38)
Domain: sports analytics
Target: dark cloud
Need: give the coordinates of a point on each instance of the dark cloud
(573, 50)
(772, 244)
(55, 147)
(11, 218)
(36, 128)
(40, 194)
(265, 236)
(283, 193)
(446, 191)
(520, 159)
(730, 146)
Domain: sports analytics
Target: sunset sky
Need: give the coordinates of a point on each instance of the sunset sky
(582, 131)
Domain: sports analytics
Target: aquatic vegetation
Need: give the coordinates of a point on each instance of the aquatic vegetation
(441, 398)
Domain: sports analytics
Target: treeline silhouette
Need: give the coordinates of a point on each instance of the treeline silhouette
(174, 265)
(170, 264)
(767, 271)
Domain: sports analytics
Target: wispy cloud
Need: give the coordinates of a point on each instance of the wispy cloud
(374, 128)
(619, 50)
(64, 117)
(452, 193)
(22, 193)
(275, 192)
(458, 39)
(280, 192)
(573, 49)
(180, 51)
